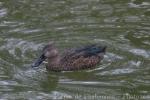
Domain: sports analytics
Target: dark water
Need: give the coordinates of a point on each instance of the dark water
(123, 25)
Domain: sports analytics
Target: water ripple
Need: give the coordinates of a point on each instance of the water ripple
(3, 12)
(140, 52)
(24, 46)
(27, 25)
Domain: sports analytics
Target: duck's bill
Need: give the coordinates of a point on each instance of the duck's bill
(39, 61)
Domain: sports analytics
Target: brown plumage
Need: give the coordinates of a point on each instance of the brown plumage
(71, 60)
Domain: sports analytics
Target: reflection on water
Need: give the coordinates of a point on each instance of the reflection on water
(27, 25)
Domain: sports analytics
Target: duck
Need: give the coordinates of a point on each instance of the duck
(74, 59)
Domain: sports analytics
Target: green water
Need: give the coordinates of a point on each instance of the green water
(123, 25)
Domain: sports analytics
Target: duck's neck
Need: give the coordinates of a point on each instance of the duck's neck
(54, 62)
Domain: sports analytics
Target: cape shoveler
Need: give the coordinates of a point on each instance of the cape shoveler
(73, 59)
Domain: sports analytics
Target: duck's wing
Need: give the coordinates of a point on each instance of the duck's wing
(86, 51)
(82, 58)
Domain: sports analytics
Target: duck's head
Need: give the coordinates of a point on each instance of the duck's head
(48, 52)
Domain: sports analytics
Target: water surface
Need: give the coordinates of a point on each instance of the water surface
(123, 25)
